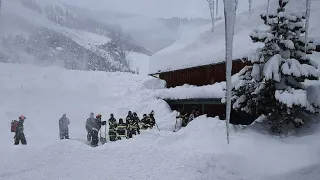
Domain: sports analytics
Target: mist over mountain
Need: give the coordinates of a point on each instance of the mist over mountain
(49, 32)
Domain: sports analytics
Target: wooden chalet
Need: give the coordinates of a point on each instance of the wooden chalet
(202, 76)
(198, 58)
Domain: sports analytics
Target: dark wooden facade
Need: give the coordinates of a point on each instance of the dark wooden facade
(210, 107)
(199, 76)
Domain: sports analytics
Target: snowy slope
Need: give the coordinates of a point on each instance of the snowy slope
(48, 22)
(196, 152)
(139, 62)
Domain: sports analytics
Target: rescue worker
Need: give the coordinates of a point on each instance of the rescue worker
(191, 116)
(184, 118)
(19, 134)
(136, 123)
(129, 124)
(197, 114)
(145, 122)
(63, 127)
(121, 129)
(112, 128)
(152, 119)
(129, 116)
(89, 123)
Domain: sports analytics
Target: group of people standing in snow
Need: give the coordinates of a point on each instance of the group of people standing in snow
(117, 130)
(120, 129)
(186, 118)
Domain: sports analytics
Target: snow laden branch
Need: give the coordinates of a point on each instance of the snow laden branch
(273, 85)
(230, 15)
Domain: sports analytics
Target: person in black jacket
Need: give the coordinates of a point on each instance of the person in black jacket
(63, 127)
(19, 134)
(121, 129)
(145, 121)
(129, 123)
(89, 124)
(136, 123)
(112, 128)
(93, 126)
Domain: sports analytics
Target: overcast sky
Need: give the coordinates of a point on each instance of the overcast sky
(158, 8)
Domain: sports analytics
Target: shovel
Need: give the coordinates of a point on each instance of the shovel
(103, 140)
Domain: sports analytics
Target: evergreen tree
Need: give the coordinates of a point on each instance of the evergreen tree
(272, 85)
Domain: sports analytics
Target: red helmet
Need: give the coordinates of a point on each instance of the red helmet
(22, 117)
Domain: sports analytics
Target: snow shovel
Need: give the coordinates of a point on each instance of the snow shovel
(175, 126)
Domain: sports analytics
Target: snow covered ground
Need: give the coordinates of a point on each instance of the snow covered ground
(139, 62)
(196, 152)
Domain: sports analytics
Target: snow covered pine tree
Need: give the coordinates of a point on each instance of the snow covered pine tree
(273, 85)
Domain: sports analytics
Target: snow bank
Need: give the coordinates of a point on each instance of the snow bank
(216, 90)
(44, 94)
(155, 83)
(139, 62)
(189, 92)
(198, 151)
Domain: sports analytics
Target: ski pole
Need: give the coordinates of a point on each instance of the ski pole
(157, 125)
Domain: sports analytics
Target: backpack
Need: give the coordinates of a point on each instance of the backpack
(14, 125)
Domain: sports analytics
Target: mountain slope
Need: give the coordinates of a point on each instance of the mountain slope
(48, 32)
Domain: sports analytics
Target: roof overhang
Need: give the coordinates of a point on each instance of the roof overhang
(194, 101)
(206, 65)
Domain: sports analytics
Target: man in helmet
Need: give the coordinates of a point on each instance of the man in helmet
(19, 134)
(129, 123)
(129, 117)
(121, 129)
(112, 128)
(145, 121)
(96, 126)
(63, 127)
(136, 123)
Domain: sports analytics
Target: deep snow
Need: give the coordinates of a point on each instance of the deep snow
(198, 151)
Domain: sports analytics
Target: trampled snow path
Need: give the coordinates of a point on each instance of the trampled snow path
(198, 151)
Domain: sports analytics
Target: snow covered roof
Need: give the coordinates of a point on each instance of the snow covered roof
(214, 91)
(200, 46)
